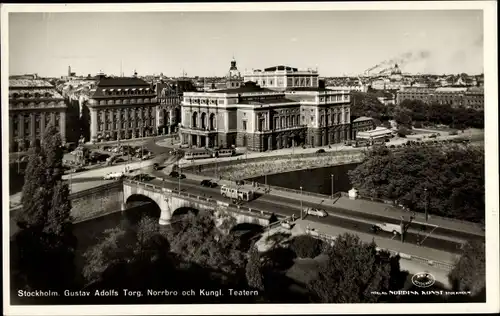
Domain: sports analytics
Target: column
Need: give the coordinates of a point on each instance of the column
(62, 126)
(21, 126)
(32, 129)
(93, 124)
(42, 123)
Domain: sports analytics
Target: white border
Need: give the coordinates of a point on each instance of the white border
(491, 165)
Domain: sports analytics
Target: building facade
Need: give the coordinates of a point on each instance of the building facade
(34, 104)
(455, 97)
(283, 78)
(169, 96)
(264, 119)
(122, 108)
(361, 124)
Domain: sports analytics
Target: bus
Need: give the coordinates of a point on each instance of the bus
(202, 153)
(225, 152)
(240, 194)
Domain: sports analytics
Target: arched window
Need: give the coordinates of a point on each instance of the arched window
(212, 122)
(194, 120)
(203, 120)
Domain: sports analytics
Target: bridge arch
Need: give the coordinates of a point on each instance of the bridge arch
(148, 206)
(184, 210)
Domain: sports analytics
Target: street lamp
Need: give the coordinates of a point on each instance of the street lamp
(332, 185)
(426, 201)
(179, 178)
(301, 207)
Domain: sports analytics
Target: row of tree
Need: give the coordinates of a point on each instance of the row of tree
(416, 112)
(448, 181)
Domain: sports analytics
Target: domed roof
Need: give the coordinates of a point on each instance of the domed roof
(396, 70)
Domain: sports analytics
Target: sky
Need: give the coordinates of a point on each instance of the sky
(203, 43)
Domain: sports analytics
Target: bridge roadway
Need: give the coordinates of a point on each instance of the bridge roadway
(336, 217)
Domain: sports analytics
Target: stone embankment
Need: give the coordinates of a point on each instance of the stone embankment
(280, 165)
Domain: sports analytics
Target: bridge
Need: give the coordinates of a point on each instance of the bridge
(171, 201)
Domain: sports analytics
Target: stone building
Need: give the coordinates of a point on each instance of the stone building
(454, 96)
(122, 108)
(169, 96)
(260, 118)
(33, 105)
(361, 124)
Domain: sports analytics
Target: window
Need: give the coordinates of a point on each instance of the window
(303, 119)
(244, 125)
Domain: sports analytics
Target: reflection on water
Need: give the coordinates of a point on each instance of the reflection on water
(317, 180)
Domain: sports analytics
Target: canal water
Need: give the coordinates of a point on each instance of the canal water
(317, 180)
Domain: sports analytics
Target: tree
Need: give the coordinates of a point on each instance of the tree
(354, 270)
(403, 132)
(469, 273)
(253, 269)
(45, 244)
(136, 252)
(448, 181)
(367, 104)
(306, 246)
(403, 117)
(198, 240)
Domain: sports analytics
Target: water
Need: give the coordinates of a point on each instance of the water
(317, 180)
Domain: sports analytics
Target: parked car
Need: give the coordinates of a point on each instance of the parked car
(316, 212)
(175, 174)
(390, 228)
(433, 136)
(208, 183)
(156, 166)
(320, 151)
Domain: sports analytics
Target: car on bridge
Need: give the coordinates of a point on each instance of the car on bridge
(395, 229)
(208, 183)
(175, 174)
(114, 176)
(320, 151)
(316, 212)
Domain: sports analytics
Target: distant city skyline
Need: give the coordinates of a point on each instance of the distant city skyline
(203, 43)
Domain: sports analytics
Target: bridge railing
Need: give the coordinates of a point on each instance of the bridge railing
(241, 208)
(277, 188)
(98, 189)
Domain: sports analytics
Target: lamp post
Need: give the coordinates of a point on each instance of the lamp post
(332, 185)
(426, 201)
(179, 178)
(301, 208)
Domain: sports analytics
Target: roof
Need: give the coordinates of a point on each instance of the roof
(53, 94)
(379, 131)
(247, 87)
(280, 67)
(29, 83)
(363, 118)
(307, 89)
(121, 81)
(451, 89)
(268, 101)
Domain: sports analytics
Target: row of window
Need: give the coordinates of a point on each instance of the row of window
(27, 95)
(337, 97)
(127, 101)
(126, 91)
(124, 114)
(26, 125)
(36, 104)
(204, 101)
(121, 125)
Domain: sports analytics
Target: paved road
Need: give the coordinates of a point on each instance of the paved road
(287, 207)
